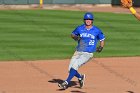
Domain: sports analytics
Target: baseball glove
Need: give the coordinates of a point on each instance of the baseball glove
(126, 3)
(99, 49)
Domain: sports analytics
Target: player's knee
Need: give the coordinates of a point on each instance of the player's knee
(75, 66)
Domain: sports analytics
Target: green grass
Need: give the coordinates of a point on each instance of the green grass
(45, 34)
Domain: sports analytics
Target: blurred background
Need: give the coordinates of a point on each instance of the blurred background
(112, 2)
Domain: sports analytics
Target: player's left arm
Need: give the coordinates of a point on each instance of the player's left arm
(101, 37)
(101, 46)
(102, 43)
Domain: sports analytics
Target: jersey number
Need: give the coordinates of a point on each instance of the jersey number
(91, 42)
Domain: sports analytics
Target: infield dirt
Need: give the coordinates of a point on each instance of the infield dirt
(103, 75)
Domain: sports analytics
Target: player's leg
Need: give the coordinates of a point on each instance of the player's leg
(75, 56)
(72, 72)
(78, 59)
(83, 58)
(78, 75)
(74, 60)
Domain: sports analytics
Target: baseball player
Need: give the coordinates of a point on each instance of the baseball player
(129, 6)
(87, 35)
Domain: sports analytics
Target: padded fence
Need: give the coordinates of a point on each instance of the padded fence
(22, 2)
(55, 2)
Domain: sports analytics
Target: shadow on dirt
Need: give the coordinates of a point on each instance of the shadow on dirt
(77, 92)
(72, 84)
(130, 91)
(56, 81)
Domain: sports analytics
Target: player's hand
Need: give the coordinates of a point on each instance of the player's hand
(99, 49)
(126, 3)
(76, 38)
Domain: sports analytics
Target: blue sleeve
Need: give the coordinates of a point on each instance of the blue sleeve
(101, 36)
(76, 31)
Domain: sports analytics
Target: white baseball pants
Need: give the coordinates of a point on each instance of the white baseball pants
(79, 58)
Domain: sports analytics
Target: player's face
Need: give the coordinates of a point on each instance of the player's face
(88, 22)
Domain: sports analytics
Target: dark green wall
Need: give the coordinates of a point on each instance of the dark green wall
(56, 1)
(14, 1)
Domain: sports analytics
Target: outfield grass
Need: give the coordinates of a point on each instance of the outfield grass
(45, 34)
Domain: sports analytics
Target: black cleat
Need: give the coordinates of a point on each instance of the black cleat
(81, 80)
(63, 85)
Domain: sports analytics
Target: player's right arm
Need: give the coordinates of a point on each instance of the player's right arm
(75, 37)
(75, 34)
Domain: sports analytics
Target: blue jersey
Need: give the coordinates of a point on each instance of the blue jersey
(88, 38)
